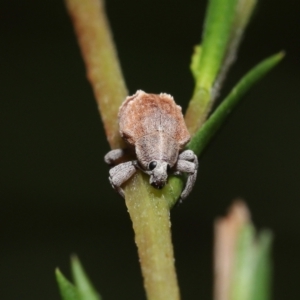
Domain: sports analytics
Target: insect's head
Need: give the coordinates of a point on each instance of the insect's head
(158, 171)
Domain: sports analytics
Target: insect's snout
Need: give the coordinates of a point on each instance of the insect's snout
(159, 175)
(158, 184)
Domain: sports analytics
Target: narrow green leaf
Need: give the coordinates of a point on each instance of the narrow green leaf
(252, 271)
(245, 263)
(195, 62)
(211, 126)
(67, 290)
(244, 10)
(85, 289)
(262, 276)
(217, 28)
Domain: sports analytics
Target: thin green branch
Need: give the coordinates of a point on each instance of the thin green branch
(149, 210)
(225, 24)
(217, 28)
(100, 57)
(151, 223)
(211, 126)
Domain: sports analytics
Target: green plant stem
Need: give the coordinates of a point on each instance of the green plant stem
(218, 25)
(211, 126)
(225, 23)
(149, 210)
(100, 57)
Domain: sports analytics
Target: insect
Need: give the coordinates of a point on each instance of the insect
(153, 127)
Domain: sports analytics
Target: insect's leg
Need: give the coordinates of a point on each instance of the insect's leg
(112, 156)
(121, 173)
(188, 155)
(187, 163)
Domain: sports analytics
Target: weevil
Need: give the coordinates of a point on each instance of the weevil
(152, 125)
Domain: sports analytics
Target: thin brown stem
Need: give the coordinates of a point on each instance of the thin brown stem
(149, 209)
(100, 57)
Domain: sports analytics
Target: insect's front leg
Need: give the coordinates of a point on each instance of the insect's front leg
(187, 163)
(120, 174)
(113, 156)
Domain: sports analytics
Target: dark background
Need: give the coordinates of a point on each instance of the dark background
(54, 193)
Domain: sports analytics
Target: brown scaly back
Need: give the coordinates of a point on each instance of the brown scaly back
(142, 114)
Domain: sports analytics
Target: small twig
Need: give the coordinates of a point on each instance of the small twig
(149, 209)
(102, 65)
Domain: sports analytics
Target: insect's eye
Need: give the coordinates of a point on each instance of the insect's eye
(152, 165)
(168, 167)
